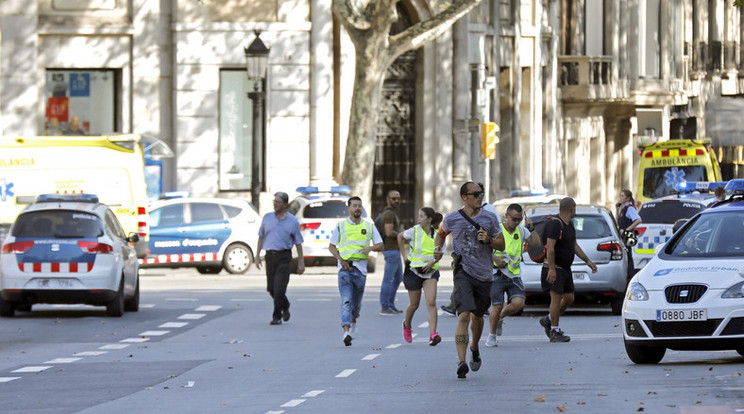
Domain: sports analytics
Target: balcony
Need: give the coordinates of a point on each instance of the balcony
(589, 78)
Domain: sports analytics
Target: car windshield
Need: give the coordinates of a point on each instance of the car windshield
(711, 235)
(327, 209)
(660, 181)
(58, 224)
(668, 211)
(587, 226)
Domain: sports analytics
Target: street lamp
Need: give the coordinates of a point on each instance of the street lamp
(256, 60)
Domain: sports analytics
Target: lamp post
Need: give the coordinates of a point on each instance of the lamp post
(256, 60)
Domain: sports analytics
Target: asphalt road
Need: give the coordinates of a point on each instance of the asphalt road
(203, 344)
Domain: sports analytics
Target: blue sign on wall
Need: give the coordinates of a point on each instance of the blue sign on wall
(80, 84)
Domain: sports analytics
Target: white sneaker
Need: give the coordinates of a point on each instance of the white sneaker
(492, 340)
(353, 329)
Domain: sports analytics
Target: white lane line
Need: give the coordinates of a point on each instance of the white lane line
(173, 325)
(62, 360)
(147, 305)
(135, 340)
(114, 346)
(90, 353)
(154, 333)
(8, 379)
(275, 412)
(392, 346)
(424, 325)
(292, 403)
(33, 369)
(208, 308)
(182, 299)
(370, 357)
(192, 316)
(313, 393)
(345, 373)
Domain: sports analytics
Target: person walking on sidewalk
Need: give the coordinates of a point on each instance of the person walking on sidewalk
(473, 239)
(507, 270)
(422, 270)
(388, 225)
(556, 277)
(350, 245)
(279, 231)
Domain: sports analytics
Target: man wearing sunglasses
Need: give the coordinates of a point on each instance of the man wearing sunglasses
(473, 233)
(506, 272)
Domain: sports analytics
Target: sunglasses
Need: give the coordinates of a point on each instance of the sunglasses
(476, 194)
(515, 219)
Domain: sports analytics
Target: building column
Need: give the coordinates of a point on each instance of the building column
(461, 102)
(321, 93)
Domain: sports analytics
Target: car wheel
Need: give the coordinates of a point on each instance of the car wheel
(116, 306)
(24, 307)
(7, 309)
(644, 354)
(132, 304)
(237, 259)
(208, 270)
(617, 306)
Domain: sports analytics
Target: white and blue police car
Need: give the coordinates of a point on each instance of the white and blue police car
(68, 249)
(690, 296)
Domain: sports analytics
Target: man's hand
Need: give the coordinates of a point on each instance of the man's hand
(346, 264)
(500, 262)
(438, 253)
(592, 266)
(484, 237)
(300, 267)
(258, 261)
(551, 275)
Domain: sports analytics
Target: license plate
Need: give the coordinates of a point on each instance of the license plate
(54, 283)
(579, 276)
(663, 315)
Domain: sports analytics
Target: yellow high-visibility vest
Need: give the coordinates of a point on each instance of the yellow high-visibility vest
(514, 247)
(353, 238)
(422, 248)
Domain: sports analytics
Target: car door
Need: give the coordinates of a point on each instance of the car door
(129, 261)
(167, 230)
(208, 228)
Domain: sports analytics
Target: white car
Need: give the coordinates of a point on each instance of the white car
(68, 249)
(690, 296)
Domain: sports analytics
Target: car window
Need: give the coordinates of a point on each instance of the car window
(326, 209)
(205, 212)
(587, 226)
(232, 211)
(661, 180)
(113, 226)
(711, 235)
(58, 224)
(171, 215)
(667, 212)
(294, 207)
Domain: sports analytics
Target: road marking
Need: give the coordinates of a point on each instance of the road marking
(90, 353)
(33, 369)
(292, 403)
(208, 308)
(148, 305)
(275, 412)
(182, 299)
(8, 379)
(154, 333)
(114, 346)
(135, 340)
(370, 357)
(173, 325)
(424, 325)
(192, 316)
(62, 360)
(313, 393)
(343, 374)
(392, 346)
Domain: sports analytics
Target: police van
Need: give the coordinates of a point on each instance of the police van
(112, 167)
(667, 163)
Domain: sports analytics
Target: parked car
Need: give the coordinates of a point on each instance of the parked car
(599, 238)
(209, 234)
(526, 200)
(318, 212)
(68, 249)
(690, 296)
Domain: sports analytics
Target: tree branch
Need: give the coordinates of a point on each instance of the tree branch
(349, 16)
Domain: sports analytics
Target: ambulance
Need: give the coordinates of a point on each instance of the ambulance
(110, 167)
(667, 163)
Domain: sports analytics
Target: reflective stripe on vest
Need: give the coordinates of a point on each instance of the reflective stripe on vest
(422, 248)
(513, 249)
(353, 238)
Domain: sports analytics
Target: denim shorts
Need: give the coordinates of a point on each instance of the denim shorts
(514, 288)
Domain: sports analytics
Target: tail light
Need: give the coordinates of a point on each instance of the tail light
(309, 226)
(615, 249)
(142, 227)
(18, 247)
(94, 247)
(640, 230)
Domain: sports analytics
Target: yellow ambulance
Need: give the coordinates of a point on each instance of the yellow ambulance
(111, 167)
(664, 164)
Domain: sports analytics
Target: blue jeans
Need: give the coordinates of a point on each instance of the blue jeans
(351, 287)
(392, 278)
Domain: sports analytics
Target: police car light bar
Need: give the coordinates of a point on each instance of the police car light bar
(80, 198)
(336, 189)
(690, 186)
(735, 187)
(175, 194)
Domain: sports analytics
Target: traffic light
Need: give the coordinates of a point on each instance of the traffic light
(489, 139)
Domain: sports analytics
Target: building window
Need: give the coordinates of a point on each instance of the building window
(80, 102)
(650, 43)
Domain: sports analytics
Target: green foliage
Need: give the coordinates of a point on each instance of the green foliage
(738, 3)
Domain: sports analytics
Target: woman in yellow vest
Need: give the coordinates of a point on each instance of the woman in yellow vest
(421, 270)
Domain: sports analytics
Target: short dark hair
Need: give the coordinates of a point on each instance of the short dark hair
(283, 196)
(567, 203)
(514, 207)
(352, 198)
(464, 187)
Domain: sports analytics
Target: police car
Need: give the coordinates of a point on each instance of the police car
(68, 249)
(209, 234)
(659, 215)
(690, 296)
(319, 210)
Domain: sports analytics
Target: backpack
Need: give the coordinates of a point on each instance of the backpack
(378, 224)
(538, 254)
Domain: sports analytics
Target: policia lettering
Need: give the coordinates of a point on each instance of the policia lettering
(422, 249)
(352, 240)
(513, 250)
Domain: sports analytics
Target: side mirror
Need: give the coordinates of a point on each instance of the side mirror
(133, 237)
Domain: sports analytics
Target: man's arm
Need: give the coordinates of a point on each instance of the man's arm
(438, 243)
(533, 240)
(498, 242)
(300, 259)
(585, 258)
(259, 246)
(334, 252)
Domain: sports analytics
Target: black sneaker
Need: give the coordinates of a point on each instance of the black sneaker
(275, 322)
(556, 335)
(449, 311)
(388, 312)
(396, 310)
(462, 370)
(285, 314)
(545, 323)
(475, 363)
(347, 339)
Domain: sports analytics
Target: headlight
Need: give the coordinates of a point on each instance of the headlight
(736, 291)
(636, 291)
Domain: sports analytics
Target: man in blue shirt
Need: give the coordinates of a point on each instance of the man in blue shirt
(279, 231)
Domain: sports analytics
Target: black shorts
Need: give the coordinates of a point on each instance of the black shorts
(471, 294)
(412, 281)
(563, 281)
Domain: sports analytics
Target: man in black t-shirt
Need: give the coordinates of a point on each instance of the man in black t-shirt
(556, 276)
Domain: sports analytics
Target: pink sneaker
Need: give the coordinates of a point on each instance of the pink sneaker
(434, 339)
(407, 333)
